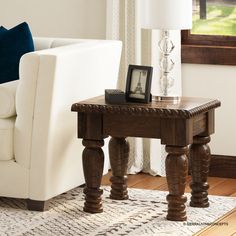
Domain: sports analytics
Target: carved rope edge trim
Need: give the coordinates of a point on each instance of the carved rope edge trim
(90, 108)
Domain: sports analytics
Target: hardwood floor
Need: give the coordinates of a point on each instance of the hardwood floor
(218, 186)
(227, 226)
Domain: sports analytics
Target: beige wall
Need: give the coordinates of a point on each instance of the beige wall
(57, 18)
(215, 82)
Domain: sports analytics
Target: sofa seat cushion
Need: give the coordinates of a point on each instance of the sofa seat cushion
(6, 138)
(14, 43)
(7, 99)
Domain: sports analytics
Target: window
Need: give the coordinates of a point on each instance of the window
(212, 39)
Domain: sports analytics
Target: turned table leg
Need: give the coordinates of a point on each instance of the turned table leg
(119, 152)
(200, 160)
(93, 161)
(176, 173)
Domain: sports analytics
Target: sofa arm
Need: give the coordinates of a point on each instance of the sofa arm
(55, 79)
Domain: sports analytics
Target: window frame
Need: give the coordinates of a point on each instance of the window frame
(208, 49)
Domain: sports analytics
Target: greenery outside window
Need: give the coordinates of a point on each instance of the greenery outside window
(212, 39)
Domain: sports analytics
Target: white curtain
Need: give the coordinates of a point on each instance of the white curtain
(140, 47)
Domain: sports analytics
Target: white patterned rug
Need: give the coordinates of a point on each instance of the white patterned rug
(143, 214)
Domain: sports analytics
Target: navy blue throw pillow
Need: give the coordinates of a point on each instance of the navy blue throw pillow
(14, 43)
(2, 30)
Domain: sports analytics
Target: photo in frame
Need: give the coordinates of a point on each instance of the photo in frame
(138, 83)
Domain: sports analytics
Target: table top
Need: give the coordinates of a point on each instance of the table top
(187, 107)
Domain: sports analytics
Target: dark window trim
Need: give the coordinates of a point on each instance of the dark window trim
(208, 49)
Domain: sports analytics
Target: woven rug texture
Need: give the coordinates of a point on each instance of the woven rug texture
(143, 214)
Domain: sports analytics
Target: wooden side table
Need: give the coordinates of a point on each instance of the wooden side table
(190, 121)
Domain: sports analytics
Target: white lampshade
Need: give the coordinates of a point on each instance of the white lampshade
(168, 14)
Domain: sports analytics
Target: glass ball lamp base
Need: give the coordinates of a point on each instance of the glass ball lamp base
(166, 46)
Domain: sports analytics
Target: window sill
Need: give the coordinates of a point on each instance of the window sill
(205, 54)
(208, 49)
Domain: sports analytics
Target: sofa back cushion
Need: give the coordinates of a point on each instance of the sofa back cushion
(6, 138)
(13, 44)
(7, 99)
(41, 43)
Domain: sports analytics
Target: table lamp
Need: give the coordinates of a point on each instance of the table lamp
(167, 15)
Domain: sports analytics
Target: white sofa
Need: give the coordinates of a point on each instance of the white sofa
(40, 155)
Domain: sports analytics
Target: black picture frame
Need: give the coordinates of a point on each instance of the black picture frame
(138, 83)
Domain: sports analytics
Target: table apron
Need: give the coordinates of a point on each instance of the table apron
(171, 131)
(131, 126)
